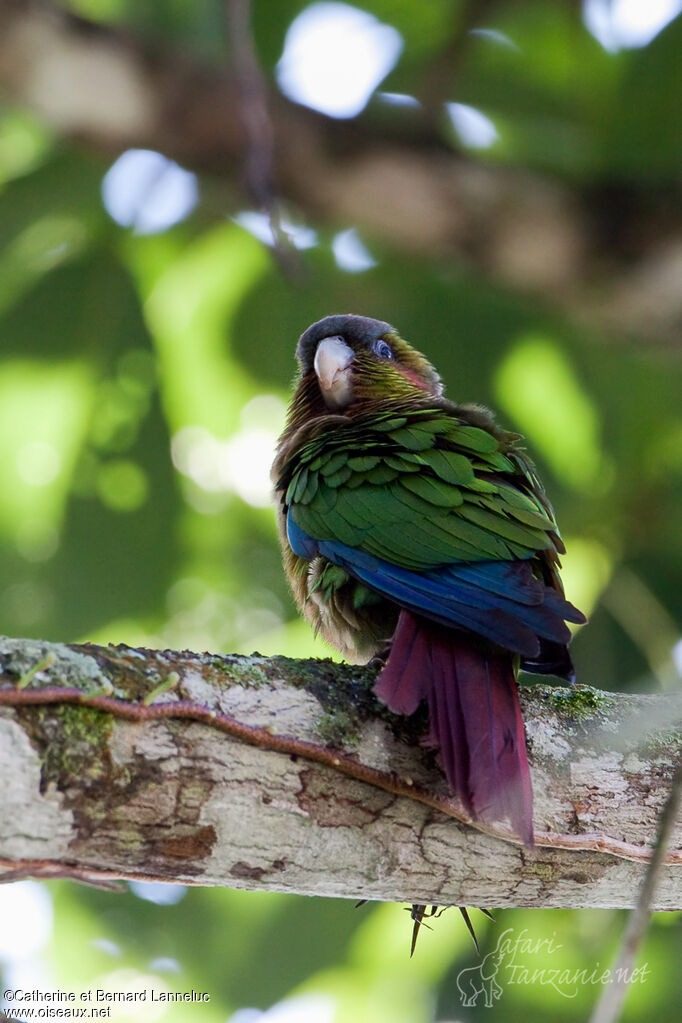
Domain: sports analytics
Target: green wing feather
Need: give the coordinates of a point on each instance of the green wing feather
(420, 489)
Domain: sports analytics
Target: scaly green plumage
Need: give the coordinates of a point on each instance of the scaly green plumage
(471, 495)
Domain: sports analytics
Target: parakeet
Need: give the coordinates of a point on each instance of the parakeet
(415, 529)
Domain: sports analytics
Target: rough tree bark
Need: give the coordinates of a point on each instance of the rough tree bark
(397, 180)
(287, 775)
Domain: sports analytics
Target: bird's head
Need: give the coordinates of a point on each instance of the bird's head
(349, 361)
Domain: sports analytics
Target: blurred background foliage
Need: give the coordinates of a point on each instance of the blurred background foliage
(146, 354)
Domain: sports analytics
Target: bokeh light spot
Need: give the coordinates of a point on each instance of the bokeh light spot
(628, 24)
(309, 1008)
(350, 252)
(165, 964)
(267, 410)
(677, 657)
(493, 35)
(240, 463)
(335, 56)
(158, 892)
(137, 987)
(106, 945)
(398, 99)
(249, 455)
(148, 192)
(26, 912)
(258, 224)
(122, 485)
(473, 128)
(36, 540)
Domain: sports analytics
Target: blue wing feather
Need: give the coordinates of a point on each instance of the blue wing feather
(501, 600)
(301, 544)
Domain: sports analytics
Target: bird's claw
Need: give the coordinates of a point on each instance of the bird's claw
(380, 658)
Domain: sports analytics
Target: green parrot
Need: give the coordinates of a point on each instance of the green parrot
(415, 530)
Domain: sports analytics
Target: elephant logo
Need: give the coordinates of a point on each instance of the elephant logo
(475, 981)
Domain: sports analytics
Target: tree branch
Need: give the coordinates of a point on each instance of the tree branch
(609, 258)
(303, 782)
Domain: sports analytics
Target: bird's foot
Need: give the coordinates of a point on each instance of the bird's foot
(380, 658)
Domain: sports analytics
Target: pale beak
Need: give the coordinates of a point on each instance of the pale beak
(332, 364)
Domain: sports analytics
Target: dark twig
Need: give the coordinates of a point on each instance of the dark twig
(264, 738)
(440, 82)
(96, 877)
(255, 116)
(609, 1006)
(46, 871)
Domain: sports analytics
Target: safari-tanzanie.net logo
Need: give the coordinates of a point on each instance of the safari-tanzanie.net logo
(511, 962)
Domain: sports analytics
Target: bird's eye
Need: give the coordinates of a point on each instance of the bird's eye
(383, 350)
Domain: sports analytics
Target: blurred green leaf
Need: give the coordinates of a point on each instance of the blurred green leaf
(537, 387)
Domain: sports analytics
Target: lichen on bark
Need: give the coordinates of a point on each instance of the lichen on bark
(180, 800)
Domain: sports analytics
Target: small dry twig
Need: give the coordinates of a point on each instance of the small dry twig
(609, 1006)
(255, 116)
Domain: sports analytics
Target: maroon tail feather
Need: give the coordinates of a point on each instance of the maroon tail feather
(474, 715)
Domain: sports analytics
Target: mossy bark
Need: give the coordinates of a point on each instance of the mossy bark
(87, 794)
